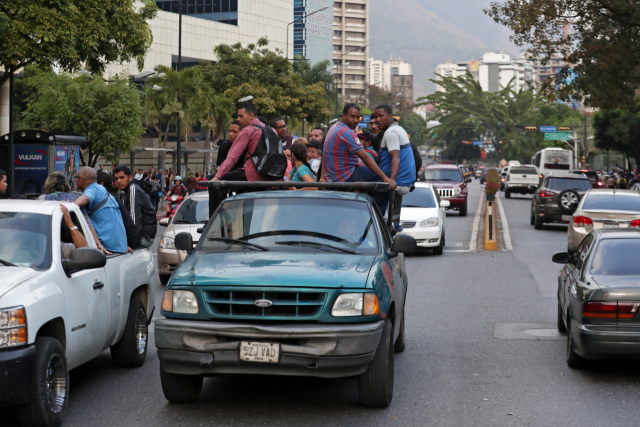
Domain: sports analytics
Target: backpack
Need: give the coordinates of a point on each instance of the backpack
(268, 158)
(417, 158)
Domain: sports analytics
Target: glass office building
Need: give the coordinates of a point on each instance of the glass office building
(313, 35)
(225, 11)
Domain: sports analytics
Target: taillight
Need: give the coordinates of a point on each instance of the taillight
(547, 194)
(509, 177)
(610, 310)
(540, 176)
(635, 223)
(502, 179)
(600, 184)
(581, 221)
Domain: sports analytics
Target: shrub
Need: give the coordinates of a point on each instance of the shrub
(493, 182)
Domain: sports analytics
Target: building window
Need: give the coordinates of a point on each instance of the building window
(356, 48)
(337, 33)
(223, 11)
(358, 21)
(337, 47)
(355, 6)
(337, 4)
(337, 19)
(354, 34)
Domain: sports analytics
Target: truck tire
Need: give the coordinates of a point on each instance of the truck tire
(463, 210)
(180, 388)
(538, 223)
(507, 193)
(399, 345)
(131, 350)
(375, 386)
(50, 387)
(164, 278)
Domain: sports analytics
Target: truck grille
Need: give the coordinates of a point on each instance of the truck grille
(445, 192)
(241, 303)
(408, 224)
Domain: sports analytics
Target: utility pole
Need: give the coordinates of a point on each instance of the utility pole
(179, 124)
(12, 165)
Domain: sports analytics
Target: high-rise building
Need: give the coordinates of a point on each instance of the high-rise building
(313, 35)
(350, 48)
(381, 73)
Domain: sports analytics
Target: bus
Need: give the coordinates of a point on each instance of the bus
(553, 160)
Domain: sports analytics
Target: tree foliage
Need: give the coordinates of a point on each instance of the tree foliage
(618, 130)
(73, 33)
(602, 45)
(109, 115)
(268, 76)
(415, 126)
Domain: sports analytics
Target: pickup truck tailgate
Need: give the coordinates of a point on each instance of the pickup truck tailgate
(523, 176)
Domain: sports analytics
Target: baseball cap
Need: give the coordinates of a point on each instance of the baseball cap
(315, 144)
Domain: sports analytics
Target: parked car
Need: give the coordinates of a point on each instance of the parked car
(423, 217)
(557, 198)
(465, 173)
(56, 313)
(451, 186)
(192, 214)
(598, 297)
(593, 176)
(521, 180)
(276, 286)
(603, 209)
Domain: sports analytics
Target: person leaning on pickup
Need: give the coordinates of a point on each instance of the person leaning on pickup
(138, 203)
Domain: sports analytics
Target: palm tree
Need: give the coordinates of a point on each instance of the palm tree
(318, 72)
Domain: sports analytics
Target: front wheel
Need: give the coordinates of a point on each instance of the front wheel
(180, 388)
(507, 193)
(131, 350)
(438, 250)
(164, 278)
(50, 389)
(375, 386)
(400, 344)
(561, 326)
(463, 210)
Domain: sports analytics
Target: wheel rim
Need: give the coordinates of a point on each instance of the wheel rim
(56, 383)
(568, 199)
(141, 331)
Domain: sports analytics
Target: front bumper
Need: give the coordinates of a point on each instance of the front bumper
(427, 237)
(318, 350)
(456, 202)
(169, 260)
(601, 342)
(15, 375)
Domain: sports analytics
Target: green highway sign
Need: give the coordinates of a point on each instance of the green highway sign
(557, 136)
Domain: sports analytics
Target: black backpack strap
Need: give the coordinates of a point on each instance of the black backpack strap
(101, 204)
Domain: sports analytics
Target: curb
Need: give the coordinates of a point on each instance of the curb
(506, 236)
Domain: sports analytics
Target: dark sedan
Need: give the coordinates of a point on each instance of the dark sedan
(599, 297)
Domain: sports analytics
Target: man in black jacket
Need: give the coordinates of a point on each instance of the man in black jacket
(135, 198)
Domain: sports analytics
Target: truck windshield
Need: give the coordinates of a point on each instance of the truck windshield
(192, 212)
(26, 240)
(442, 175)
(292, 225)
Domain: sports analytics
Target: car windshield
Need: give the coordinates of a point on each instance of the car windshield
(419, 198)
(292, 224)
(26, 240)
(561, 184)
(192, 212)
(611, 202)
(523, 171)
(617, 257)
(442, 175)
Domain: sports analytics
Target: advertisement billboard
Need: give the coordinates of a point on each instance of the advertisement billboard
(67, 161)
(31, 167)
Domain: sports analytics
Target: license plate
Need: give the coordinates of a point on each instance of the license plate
(610, 225)
(261, 352)
(567, 217)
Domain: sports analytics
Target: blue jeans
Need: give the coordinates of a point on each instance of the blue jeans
(364, 174)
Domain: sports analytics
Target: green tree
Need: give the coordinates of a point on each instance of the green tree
(618, 130)
(109, 115)
(415, 126)
(73, 33)
(269, 78)
(601, 43)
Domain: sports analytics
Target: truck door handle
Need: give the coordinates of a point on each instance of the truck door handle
(98, 285)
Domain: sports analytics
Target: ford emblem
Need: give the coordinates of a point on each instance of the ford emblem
(263, 303)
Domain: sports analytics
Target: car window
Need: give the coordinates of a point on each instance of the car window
(611, 202)
(524, 171)
(561, 184)
(580, 255)
(26, 239)
(618, 257)
(292, 224)
(420, 197)
(442, 175)
(192, 212)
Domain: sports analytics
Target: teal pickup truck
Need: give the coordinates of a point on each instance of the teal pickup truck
(306, 283)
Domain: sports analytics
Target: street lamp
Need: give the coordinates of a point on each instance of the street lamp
(300, 19)
(346, 53)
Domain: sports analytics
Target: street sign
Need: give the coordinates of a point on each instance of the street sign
(478, 142)
(548, 129)
(367, 119)
(557, 136)
(362, 125)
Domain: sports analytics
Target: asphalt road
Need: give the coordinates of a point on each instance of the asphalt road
(454, 371)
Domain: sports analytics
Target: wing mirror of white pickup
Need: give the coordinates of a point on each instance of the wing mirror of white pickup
(164, 222)
(445, 204)
(184, 242)
(84, 259)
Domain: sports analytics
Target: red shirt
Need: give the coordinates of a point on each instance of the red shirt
(245, 143)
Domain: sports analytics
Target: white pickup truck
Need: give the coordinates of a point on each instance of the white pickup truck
(56, 314)
(523, 179)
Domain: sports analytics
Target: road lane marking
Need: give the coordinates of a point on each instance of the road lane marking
(505, 226)
(473, 243)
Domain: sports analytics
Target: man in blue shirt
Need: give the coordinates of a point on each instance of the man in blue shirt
(103, 211)
(396, 155)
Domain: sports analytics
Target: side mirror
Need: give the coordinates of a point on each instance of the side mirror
(184, 242)
(405, 244)
(200, 230)
(84, 259)
(561, 258)
(164, 222)
(445, 204)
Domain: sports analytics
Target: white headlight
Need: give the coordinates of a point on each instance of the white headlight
(174, 197)
(348, 305)
(167, 243)
(431, 222)
(185, 302)
(457, 191)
